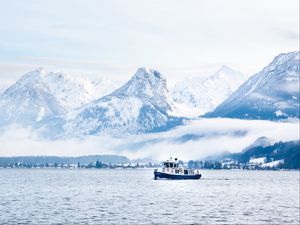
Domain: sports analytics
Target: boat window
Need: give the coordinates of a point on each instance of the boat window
(185, 171)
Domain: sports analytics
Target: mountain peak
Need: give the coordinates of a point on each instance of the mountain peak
(39, 95)
(144, 83)
(225, 68)
(286, 57)
(284, 61)
(38, 72)
(40, 69)
(227, 71)
(203, 95)
(147, 73)
(144, 70)
(32, 78)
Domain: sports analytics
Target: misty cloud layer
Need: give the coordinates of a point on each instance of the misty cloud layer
(195, 140)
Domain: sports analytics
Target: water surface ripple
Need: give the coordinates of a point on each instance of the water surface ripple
(81, 196)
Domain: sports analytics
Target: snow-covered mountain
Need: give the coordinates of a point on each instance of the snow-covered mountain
(198, 95)
(143, 104)
(272, 94)
(61, 105)
(39, 96)
(73, 92)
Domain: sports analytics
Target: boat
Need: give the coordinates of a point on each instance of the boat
(172, 169)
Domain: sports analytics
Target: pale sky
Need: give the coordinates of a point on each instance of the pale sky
(113, 38)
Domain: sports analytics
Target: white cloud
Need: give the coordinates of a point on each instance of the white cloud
(195, 140)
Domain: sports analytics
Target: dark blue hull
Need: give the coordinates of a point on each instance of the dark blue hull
(160, 175)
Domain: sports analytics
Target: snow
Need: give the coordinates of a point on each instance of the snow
(257, 161)
(198, 96)
(148, 84)
(70, 106)
(271, 90)
(39, 96)
(141, 105)
(273, 164)
(2, 88)
(41, 114)
(279, 113)
(74, 92)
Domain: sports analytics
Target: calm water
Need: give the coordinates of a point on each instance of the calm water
(45, 196)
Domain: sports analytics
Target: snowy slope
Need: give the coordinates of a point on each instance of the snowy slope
(28, 101)
(199, 96)
(143, 104)
(2, 89)
(39, 96)
(74, 92)
(272, 94)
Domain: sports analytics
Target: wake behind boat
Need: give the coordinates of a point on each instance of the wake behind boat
(171, 169)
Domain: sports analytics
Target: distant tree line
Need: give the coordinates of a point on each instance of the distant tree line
(206, 164)
(289, 152)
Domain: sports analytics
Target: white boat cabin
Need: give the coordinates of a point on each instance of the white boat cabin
(174, 167)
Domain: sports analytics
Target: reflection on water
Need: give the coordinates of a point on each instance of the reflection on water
(45, 196)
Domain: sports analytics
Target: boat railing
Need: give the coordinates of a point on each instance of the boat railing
(179, 170)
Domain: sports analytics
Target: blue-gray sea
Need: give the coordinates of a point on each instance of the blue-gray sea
(107, 196)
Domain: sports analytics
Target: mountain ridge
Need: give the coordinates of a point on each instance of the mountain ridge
(272, 93)
(62, 106)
